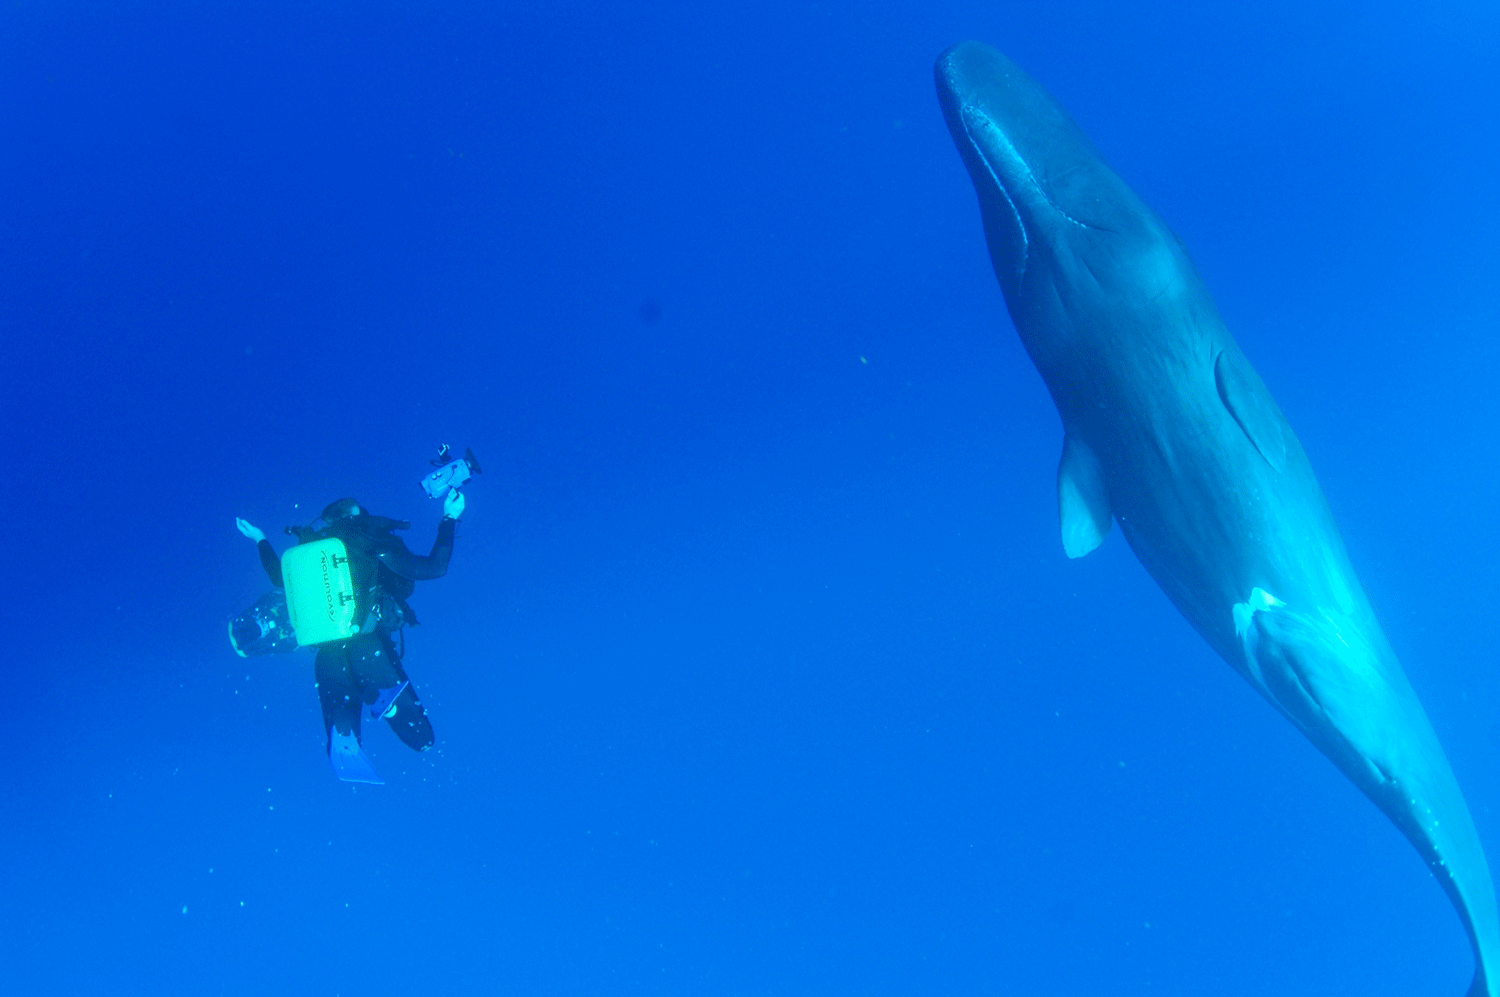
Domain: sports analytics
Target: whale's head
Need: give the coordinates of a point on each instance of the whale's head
(1043, 189)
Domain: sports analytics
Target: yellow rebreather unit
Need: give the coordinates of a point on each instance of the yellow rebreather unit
(319, 591)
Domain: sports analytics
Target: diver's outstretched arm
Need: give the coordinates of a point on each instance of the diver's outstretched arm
(268, 558)
(270, 562)
(416, 567)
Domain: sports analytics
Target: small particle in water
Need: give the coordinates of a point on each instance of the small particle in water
(184, 908)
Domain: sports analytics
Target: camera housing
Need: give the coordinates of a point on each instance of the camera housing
(451, 473)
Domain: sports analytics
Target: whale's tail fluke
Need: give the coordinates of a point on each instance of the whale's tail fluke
(1334, 676)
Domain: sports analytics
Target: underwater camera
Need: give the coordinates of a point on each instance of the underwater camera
(451, 471)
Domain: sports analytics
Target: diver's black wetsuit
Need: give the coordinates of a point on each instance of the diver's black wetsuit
(365, 670)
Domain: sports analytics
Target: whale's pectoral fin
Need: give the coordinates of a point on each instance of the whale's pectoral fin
(1246, 398)
(1082, 499)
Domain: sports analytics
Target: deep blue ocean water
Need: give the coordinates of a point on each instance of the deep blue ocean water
(759, 668)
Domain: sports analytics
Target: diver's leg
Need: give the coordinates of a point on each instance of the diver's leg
(377, 670)
(384, 690)
(338, 694)
(407, 715)
(403, 711)
(409, 720)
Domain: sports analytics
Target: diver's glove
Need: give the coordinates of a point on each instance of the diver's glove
(453, 505)
(255, 534)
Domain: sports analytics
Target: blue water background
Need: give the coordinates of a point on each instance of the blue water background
(759, 668)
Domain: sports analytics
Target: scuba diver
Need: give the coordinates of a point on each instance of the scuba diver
(360, 676)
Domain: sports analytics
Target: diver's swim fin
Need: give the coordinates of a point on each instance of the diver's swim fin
(348, 759)
(383, 700)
